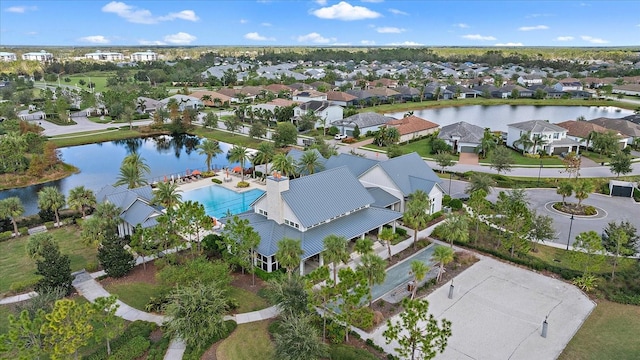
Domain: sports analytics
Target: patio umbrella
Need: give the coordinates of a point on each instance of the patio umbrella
(195, 172)
(237, 169)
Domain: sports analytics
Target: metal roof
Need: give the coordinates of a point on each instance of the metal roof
(467, 133)
(381, 198)
(356, 164)
(321, 196)
(537, 126)
(364, 120)
(402, 168)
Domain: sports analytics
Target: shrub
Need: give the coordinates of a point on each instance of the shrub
(6, 236)
(590, 210)
(132, 350)
(217, 181)
(22, 286)
(137, 328)
(266, 276)
(49, 225)
(455, 204)
(401, 231)
(242, 184)
(446, 200)
(259, 174)
(333, 130)
(92, 266)
(346, 352)
(195, 354)
(158, 349)
(24, 231)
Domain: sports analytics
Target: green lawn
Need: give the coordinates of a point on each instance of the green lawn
(610, 332)
(248, 341)
(595, 156)
(93, 137)
(5, 311)
(15, 265)
(135, 294)
(226, 137)
(247, 301)
(422, 147)
(520, 159)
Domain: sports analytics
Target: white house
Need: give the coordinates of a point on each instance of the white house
(7, 56)
(528, 80)
(367, 121)
(554, 140)
(568, 86)
(308, 95)
(324, 110)
(38, 56)
(144, 56)
(462, 136)
(184, 102)
(104, 56)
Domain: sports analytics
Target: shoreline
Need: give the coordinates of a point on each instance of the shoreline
(67, 171)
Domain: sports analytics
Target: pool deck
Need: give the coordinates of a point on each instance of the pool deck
(231, 185)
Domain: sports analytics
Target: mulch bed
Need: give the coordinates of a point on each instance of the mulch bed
(245, 282)
(138, 274)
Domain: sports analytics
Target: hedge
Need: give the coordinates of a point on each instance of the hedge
(345, 352)
(136, 329)
(217, 181)
(132, 350)
(21, 286)
(195, 354)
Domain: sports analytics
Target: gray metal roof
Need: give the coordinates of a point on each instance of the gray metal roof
(134, 204)
(296, 154)
(364, 120)
(564, 141)
(356, 164)
(537, 126)
(466, 132)
(402, 168)
(321, 196)
(381, 198)
(350, 226)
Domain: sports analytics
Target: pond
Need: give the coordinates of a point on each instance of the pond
(497, 117)
(99, 164)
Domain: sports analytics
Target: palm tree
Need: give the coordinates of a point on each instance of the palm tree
(284, 164)
(50, 198)
(415, 214)
(419, 270)
(565, 189)
(138, 162)
(12, 208)
(487, 143)
(336, 250)
(309, 162)
(387, 235)
(524, 142)
(443, 255)
(373, 267)
(130, 176)
(265, 154)
(582, 190)
(479, 181)
(206, 98)
(538, 140)
(239, 154)
(167, 194)
(209, 148)
(456, 228)
(289, 254)
(81, 199)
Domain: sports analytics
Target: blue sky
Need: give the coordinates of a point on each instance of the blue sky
(320, 23)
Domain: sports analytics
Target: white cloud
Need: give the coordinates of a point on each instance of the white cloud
(151, 42)
(531, 28)
(143, 16)
(346, 12)
(478, 37)
(321, 2)
(593, 40)
(95, 39)
(243, 21)
(398, 12)
(461, 25)
(20, 9)
(564, 38)
(367, 42)
(316, 38)
(390, 30)
(509, 44)
(257, 37)
(32, 33)
(538, 15)
(373, 1)
(266, 24)
(406, 43)
(181, 38)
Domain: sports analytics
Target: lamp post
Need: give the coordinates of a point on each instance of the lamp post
(450, 175)
(539, 171)
(570, 226)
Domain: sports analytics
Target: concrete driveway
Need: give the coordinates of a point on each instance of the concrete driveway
(497, 312)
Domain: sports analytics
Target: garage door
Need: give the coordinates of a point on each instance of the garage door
(560, 150)
(467, 149)
(623, 191)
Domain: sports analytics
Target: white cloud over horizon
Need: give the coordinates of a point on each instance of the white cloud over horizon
(390, 30)
(315, 38)
(406, 43)
(564, 38)
(461, 25)
(255, 36)
(594, 40)
(532, 28)
(367, 42)
(137, 15)
(478, 37)
(94, 39)
(20, 9)
(398, 12)
(180, 38)
(509, 44)
(345, 12)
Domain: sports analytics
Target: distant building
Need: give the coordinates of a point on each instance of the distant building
(104, 56)
(7, 56)
(38, 56)
(144, 56)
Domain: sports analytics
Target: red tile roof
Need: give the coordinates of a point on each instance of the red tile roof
(581, 129)
(412, 124)
(340, 96)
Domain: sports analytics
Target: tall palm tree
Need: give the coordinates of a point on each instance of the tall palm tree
(309, 162)
(265, 154)
(138, 162)
(373, 267)
(582, 190)
(524, 142)
(81, 199)
(487, 143)
(538, 141)
(419, 270)
(289, 254)
(167, 194)
(239, 154)
(12, 208)
(456, 228)
(206, 98)
(442, 255)
(335, 251)
(415, 214)
(130, 176)
(50, 198)
(479, 181)
(284, 164)
(387, 235)
(565, 188)
(210, 149)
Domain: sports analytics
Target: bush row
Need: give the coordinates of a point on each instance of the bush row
(132, 350)
(195, 354)
(137, 329)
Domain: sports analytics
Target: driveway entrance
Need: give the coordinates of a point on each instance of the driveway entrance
(468, 158)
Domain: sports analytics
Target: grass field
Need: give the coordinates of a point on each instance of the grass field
(93, 137)
(15, 265)
(520, 159)
(610, 332)
(226, 137)
(247, 301)
(5, 311)
(248, 341)
(135, 294)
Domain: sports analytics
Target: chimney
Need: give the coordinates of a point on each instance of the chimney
(276, 185)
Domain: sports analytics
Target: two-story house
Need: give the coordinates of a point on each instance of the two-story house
(308, 95)
(550, 138)
(324, 110)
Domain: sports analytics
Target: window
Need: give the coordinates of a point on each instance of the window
(291, 223)
(262, 212)
(556, 136)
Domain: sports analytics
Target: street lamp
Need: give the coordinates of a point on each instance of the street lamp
(570, 226)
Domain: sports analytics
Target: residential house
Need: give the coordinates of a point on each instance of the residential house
(145, 105)
(461, 92)
(213, 98)
(7, 56)
(623, 127)
(363, 97)
(41, 56)
(278, 89)
(408, 93)
(308, 95)
(135, 207)
(104, 56)
(631, 89)
(568, 84)
(437, 92)
(184, 102)
(234, 95)
(366, 121)
(311, 208)
(462, 136)
(384, 95)
(554, 137)
(383, 82)
(413, 127)
(529, 80)
(509, 91)
(144, 56)
(341, 98)
(324, 110)
(581, 131)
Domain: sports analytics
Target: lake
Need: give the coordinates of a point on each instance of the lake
(497, 117)
(99, 164)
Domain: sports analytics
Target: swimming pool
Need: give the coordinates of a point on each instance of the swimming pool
(218, 200)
